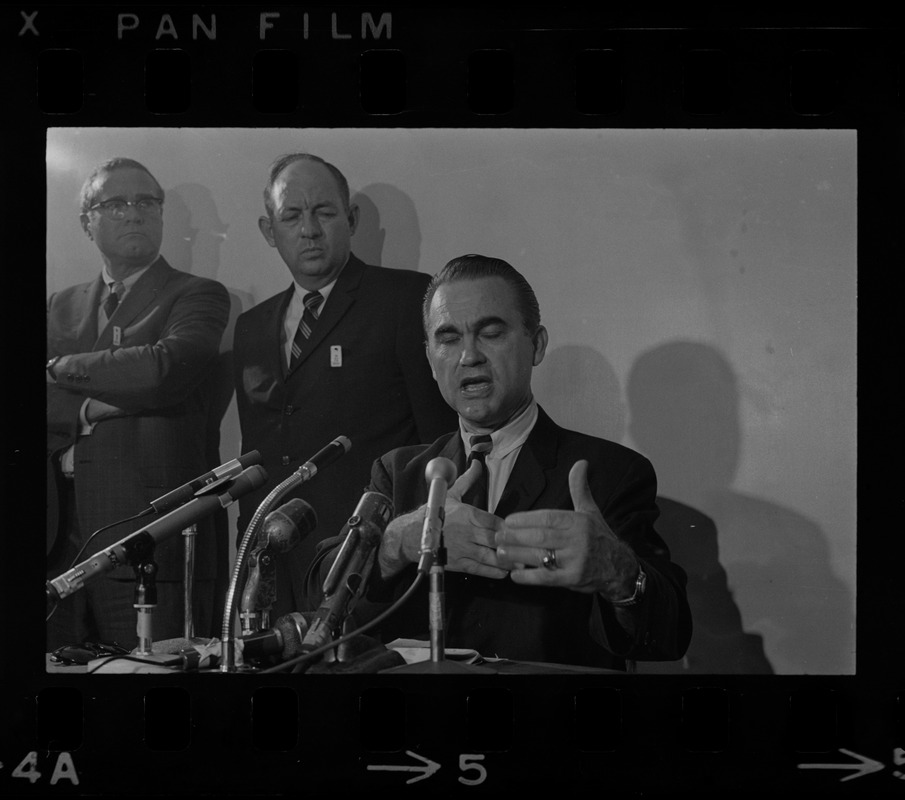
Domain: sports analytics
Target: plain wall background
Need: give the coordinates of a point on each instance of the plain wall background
(699, 288)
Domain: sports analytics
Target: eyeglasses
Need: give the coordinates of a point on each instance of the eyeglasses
(116, 209)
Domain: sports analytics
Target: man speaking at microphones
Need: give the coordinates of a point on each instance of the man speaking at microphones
(551, 554)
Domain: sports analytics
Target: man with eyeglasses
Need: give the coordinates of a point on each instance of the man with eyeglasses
(130, 356)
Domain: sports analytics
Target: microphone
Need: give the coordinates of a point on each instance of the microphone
(348, 576)
(284, 639)
(283, 529)
(132, 548)
(324, 457)
(440, 474)
(205, 482)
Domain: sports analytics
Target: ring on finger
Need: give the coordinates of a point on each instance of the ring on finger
(549, 559)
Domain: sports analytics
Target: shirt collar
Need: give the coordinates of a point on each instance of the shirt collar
(511, 436)
(301, 292)
(127, 283)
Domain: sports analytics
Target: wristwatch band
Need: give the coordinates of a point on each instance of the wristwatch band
(640, 586)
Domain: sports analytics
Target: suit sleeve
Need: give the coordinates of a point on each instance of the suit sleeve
(160, 373)
(659, 627)
(433, 417)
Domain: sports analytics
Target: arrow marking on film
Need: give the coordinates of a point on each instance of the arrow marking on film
(427, 768)
(866, 766)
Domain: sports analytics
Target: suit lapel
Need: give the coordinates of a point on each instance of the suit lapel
(338, 304)
(528, 478)
(86, 333)
(137, 301)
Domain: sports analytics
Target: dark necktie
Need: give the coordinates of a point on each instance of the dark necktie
(112, 300)
(312, 302)
(481, 445)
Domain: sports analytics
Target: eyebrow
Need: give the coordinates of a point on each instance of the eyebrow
(314, 207)
(123, 197)
(483, 322)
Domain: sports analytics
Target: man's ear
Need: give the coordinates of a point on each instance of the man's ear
(83, 218)
(265, 224)
(540, 344)
(353, 218)
(427, 352)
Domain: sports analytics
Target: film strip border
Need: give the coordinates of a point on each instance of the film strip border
(378, 66)
(543, 735)
(156, 65)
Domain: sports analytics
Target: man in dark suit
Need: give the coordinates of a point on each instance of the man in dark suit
(337, 353)
(127, 410)
(567, 568)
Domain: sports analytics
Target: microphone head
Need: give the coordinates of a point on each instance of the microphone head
(292, 628)
(250, 459)
(344, 442)
(441, 468)
(284, 528)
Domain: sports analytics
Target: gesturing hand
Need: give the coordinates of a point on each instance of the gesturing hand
(468, 532)
(468, 535)
(589, 557)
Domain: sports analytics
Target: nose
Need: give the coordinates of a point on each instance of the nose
(133, 213)
(311, 227)
(471, 353)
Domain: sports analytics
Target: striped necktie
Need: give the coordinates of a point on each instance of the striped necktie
(313, 301)
(481, 445)
(112, 301)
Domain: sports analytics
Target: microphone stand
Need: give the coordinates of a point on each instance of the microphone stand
(438, 663)
(227, 639)
(145, 602)
(188, 538)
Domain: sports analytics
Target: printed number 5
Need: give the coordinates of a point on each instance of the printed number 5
(465, 763)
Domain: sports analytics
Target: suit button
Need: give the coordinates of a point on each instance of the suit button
(285, 461)
(288, 410)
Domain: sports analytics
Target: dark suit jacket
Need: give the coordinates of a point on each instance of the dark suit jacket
(171, 324)
(505, 619)
(382, 396)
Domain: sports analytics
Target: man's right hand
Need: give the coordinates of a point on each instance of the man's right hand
(468, 534)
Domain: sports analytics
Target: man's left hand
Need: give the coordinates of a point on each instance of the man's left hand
(589, 556)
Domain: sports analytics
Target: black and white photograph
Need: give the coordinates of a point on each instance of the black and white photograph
(698, 290)
(451, 401)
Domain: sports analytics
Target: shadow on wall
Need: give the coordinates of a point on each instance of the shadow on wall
(578, 387)
(193, 231)
(762, 591)
(382, 209)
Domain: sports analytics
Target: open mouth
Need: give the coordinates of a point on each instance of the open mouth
(475, 386)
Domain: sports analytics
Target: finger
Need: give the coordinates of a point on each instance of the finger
(543, 537)
(541, 518)
(484, 519)
(514, 557)
(537, 577)
(482, 570)
(582, 499)
(465, 481)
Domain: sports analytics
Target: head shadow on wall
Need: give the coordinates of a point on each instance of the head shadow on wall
(760, 584)
(388, 233)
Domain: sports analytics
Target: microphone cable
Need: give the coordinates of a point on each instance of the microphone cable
(78, 555)
(307, 659)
